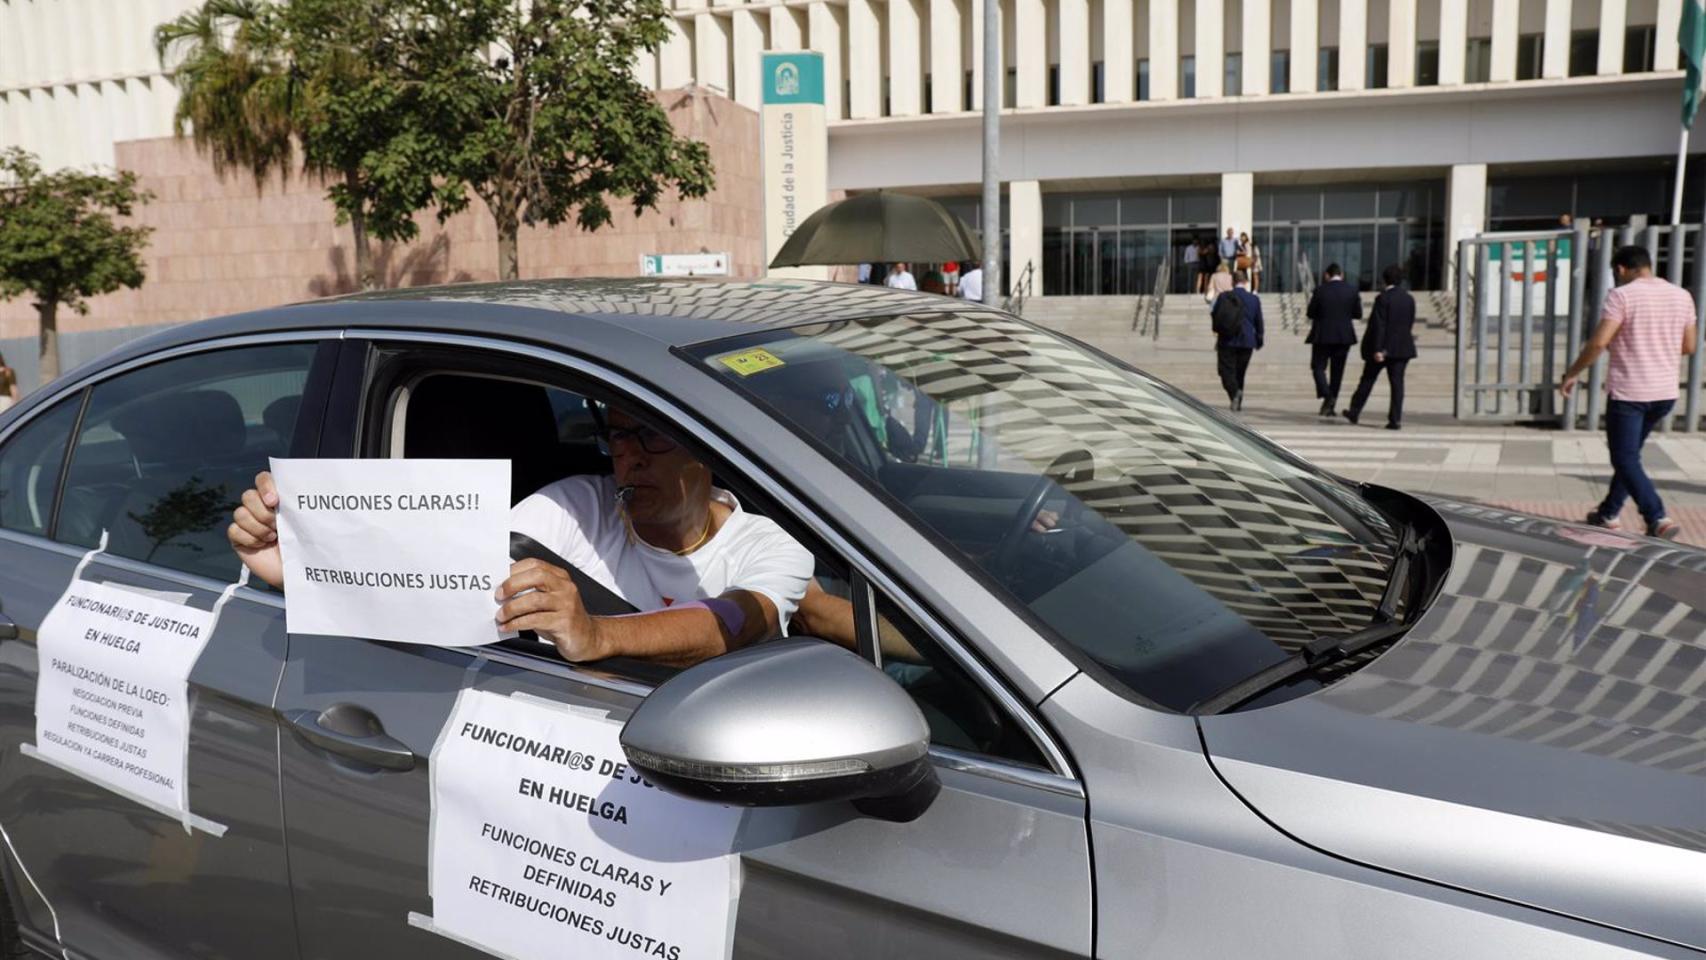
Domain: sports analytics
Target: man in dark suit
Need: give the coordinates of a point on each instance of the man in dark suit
(1232, 351)
(1331, 333)
(1388, 344)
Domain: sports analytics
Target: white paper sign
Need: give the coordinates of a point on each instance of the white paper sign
(112, 695)
(403, 550)
(546, 845)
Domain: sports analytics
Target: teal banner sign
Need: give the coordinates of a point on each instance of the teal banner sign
(793, 77)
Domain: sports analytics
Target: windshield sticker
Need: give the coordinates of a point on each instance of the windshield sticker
(752, 361)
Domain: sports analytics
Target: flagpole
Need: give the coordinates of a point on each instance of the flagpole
(1681, 170)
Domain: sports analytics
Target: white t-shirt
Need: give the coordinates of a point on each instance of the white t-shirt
(971, 285)
(901, 281)
(578, 518)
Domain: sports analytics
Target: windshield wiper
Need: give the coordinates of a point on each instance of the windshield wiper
(1325, 651)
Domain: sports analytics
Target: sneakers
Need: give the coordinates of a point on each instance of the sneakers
(1595, 520)
(1664, 528)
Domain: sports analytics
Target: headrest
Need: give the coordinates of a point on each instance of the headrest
(280, 417)
(187, 426)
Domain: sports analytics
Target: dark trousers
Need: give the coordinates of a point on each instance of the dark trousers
(1232, 363)
(1327, 363)
(1627, 423)
(1394, 378)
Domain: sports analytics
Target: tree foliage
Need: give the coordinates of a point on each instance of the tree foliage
(540, 113)
(61, 239)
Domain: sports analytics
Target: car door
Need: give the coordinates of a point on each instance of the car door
(999, 865)
(152, 452)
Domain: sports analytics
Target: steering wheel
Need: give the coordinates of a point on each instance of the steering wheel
(1072, 465)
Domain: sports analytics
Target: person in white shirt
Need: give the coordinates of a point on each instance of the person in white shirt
(900, 278)
(706, 576)
(971, 283)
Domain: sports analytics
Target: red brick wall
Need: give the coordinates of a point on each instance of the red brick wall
(221, 246)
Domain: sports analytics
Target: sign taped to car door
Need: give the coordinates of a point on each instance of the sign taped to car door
(112, 692)
(410, 551)
(545, 844)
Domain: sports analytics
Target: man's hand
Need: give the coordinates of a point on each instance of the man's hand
(254, 531)
(1045, 521)
(1567, 386)
(1379, 356)
(551, 607)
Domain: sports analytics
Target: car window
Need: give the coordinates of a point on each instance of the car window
(1179, 551)
(165, 452)
(29, 468)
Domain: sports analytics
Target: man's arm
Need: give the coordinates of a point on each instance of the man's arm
(1690, 339)
(1597, 344)
(1376, 332)
(542, 598)
(1256, 321)
(1356, 301)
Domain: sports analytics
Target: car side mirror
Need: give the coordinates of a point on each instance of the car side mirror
(788, 722)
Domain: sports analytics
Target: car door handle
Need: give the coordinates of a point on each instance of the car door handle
(353, 732)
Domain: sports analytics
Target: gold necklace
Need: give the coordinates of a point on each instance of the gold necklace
(684, 551)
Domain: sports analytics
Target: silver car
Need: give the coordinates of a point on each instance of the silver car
(1176, 693)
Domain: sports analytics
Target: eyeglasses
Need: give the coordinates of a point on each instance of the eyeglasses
(649, 440)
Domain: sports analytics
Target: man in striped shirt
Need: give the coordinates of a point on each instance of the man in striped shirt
(1646, 324)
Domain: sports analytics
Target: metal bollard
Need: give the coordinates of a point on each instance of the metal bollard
(1691, 405)
(1578, 310)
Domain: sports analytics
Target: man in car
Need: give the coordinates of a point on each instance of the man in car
(706, 576)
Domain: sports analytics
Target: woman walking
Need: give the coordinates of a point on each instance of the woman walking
(9, 393)
(1219, 283)
(1249, 258)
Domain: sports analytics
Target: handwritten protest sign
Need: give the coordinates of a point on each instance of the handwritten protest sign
(112, 695)
(545, 844)
(403, 550)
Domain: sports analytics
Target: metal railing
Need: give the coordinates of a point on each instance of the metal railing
(1147, 313)
(1021, 290)
(1527, 301)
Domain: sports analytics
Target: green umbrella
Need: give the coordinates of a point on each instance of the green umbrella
(879, 228)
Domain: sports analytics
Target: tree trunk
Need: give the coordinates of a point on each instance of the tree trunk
(358, 226)
(509, 267)
(48, 370)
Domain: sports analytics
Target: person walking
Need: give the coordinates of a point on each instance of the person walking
(1646, 324)
(1229, 249)
(971, 282)
(1388, 343)
(1331, 309)
(1236, 317)
(900, 278)
(9, 393)
(1219, 283)
(1255, 255)
(1191, 254)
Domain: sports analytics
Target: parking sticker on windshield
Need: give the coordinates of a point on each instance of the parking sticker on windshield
(112, 694)
(750, 362)
(544, 843)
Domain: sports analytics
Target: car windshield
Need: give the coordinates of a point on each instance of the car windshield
(1178, 550)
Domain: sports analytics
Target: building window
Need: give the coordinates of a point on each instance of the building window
(1054, 84)
(1234, 82)
(1478, 60)
(1143, 79)
(1010, 90)
(1327, 69)
(1098, 82)
(929, 93)
(1530, 55)
(1187, 77)
(1638, 49)
(1279, 71)
(886, 111)
(1427, 63)
(1584, 53)
(968, 101)
(1374, 74)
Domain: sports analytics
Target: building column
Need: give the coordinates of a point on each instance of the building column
(1074, 52)
(906, 64)
(1401, 43)
(828, 23)
(864, 60)
(1613, 15)
(787, 29)
(1163, 49)
(675, 57)
(1502, 68)
(711, 52)
(749, 49)
(1555, 52)
(1453, 34)
(1465, 208)
(975, 26)
(1118, 60)
(1305, 50)
(1211, 47)
(947, 73)
(1257, 46)
(1237, 203)
(1030, 53)
(1353, 43)
(1025, 231)
(1665, 50)
(645, 69)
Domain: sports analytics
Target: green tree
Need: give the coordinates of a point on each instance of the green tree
(60, 241)
(540, 113)
(260, 80)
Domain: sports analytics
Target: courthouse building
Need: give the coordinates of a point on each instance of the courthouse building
(1366, 132)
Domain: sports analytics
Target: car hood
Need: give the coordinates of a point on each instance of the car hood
(1539, 735)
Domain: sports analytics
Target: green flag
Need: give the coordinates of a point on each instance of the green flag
(1691, 36)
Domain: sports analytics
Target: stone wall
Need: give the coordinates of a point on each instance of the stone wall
(222, 246)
